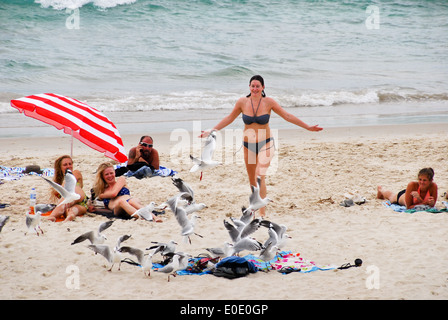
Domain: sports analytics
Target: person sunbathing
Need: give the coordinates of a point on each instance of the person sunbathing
(421, 192)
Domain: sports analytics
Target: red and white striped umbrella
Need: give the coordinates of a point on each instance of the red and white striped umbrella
(83, 122)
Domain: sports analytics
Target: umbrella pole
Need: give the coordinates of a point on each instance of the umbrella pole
(71, 148)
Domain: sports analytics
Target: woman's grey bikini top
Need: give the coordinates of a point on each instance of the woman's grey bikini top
(263, 119)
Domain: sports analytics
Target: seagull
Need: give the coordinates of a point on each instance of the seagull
(206, 161)
(111, 256)
(145, 212)
(247, 215)
(188, 194)
(183, 260)
(90, 235)
(241, 230)
(186, 224)
(225, 251)
(120, 240)
(255, 201)
(44, 208)
(33, 221)
(269, 252)
(68, 191)
(247, 243)
(145, 263)
(183, 187)
(277, 233)
(164, 248)
(3, 220)
(171, 267)
(193, 207)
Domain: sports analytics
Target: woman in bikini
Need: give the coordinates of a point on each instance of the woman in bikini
(115, 194)
(69, 210)
(257, 139)
(421, 192)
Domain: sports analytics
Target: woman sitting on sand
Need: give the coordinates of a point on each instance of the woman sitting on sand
(69, 210)
(421, 192)
(115, 194)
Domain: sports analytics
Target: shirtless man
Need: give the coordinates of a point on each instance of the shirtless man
(144, 152)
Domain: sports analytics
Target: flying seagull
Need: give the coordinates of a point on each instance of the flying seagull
(206, 161)
(92, 237)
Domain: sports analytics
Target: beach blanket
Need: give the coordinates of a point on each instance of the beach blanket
(15, 173)
(419, 208)
(286, 261)
(146, 172)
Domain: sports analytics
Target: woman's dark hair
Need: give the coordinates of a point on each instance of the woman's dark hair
(258, 78)
(429, 172)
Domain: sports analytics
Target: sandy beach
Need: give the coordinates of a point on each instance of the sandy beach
(405, 256)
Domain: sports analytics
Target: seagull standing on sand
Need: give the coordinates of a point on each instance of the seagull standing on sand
(144, 262)
(171, 267)
(33, 222)
(92, 237)
(68, 191)
(255, 201)
(206, 161)
(3, 220)
(223, 252)
(111, 256)
(247, 243)
(145, 212)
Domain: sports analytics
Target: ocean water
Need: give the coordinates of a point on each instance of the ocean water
(335, 63)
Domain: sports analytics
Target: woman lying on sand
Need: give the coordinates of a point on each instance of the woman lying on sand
(423, 191)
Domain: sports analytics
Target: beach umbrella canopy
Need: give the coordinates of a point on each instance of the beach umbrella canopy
(76, 118)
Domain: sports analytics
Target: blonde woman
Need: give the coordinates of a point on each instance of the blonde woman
(115, 194)
(73, 209)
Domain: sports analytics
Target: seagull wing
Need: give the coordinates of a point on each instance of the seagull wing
(250, 228)
(103, 250)
(103, 226)
(85, 236)
(209, 148)
(122, 239)
(233, 232)
(182, 186)
(135, 252)
(70, 181)
(60, 189)
(3, 220)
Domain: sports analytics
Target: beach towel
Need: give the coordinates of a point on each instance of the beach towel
(286, 261)
(15, 173)
(144, 172)
(419, 208)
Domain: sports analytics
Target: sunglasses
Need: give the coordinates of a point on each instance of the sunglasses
(146, 144)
